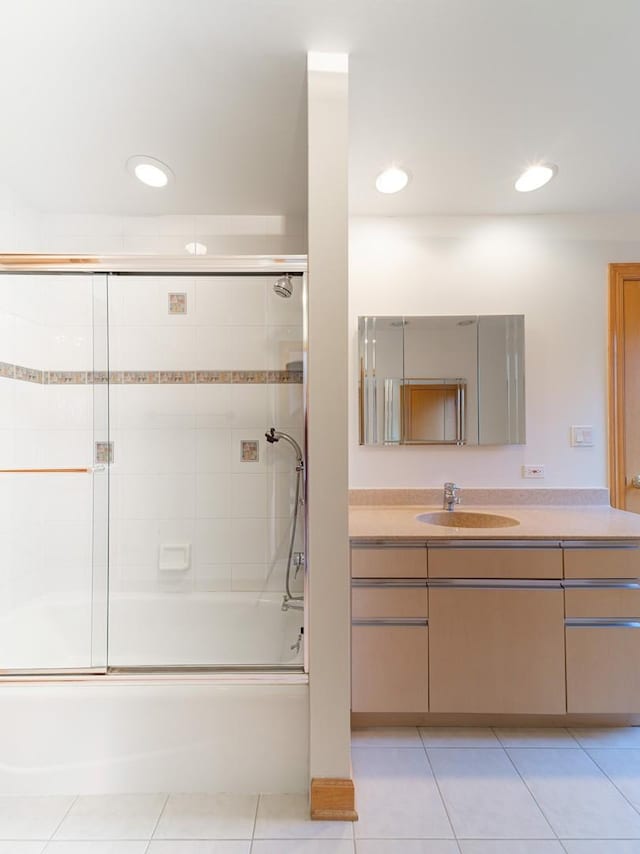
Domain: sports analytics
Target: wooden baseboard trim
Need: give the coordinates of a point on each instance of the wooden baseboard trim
(333, 799)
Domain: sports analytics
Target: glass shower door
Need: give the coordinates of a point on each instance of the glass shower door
(53, 497)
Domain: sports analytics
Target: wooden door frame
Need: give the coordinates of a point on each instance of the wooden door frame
(618, 274)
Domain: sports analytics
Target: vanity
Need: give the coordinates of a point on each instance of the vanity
(537, 615)
(523, 610)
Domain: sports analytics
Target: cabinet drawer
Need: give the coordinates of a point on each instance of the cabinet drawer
(495, 563)
(389, 562)
(602, 563)
(390, 669)
(372, 602)
(610, 602)
(603, 670)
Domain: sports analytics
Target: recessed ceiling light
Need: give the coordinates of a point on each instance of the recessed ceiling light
(392, 180)
(196, 248)
(535, 177)
(149, 170)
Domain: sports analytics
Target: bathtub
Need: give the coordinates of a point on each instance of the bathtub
(147, 732)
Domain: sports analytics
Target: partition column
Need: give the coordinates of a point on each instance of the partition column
(332, 795)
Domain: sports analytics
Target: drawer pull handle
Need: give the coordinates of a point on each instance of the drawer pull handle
(392, 621)
(492, 545)
(602, 583)
(592, 545)
(495, 583)
(389, 582)
(421, 545)
(603, 623)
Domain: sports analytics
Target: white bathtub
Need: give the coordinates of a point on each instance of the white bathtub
(202, 629)
(163, 732)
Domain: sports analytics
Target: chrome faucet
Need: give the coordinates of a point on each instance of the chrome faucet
(451, 496)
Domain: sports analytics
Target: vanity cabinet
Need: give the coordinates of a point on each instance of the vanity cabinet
(497, 627)
(389, 560)
(497, 648)
(486, 562)
(390, 647)
(602, 604)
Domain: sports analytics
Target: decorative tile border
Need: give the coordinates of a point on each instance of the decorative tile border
(65, 377)
(29, 375)
(33, 375)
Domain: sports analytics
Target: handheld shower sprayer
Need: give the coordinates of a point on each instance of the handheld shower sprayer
(273, 436)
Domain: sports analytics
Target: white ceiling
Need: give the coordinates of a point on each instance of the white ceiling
(462, 92)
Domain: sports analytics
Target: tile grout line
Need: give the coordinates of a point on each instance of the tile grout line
(255, 822)
(542, 812)
(613, 782)
(444, 803)
(155, 826)
(59, 824)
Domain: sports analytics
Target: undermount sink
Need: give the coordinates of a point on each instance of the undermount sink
(464, 519)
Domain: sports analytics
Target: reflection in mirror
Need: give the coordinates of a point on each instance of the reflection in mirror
(501, 380)
(441, 380)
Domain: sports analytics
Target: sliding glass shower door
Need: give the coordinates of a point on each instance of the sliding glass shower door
(149, 518)
(53, 486)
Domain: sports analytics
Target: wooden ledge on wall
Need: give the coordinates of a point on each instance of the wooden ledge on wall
(333, 799)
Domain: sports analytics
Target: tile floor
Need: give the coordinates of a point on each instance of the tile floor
(420, 791)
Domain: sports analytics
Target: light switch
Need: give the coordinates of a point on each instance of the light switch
(582, 436)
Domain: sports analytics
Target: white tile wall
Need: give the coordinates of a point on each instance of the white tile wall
(178, 475)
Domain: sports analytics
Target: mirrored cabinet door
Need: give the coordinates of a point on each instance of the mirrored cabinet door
(441, 380)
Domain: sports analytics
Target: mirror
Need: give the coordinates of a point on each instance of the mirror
(441, 380)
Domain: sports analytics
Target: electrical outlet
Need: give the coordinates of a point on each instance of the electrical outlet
(532, 471)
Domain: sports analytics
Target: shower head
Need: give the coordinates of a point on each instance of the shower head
(283, 286)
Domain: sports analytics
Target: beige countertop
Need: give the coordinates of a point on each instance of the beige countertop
(535, 523)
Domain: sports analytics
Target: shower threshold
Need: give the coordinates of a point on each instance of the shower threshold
(180, 668)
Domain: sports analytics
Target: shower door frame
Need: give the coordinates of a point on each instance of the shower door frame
(175, 266)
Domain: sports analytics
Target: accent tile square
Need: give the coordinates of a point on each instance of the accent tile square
(249, 450)
(177, 303)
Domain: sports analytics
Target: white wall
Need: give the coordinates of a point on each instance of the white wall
(23, 229)
(329, 601)
(552, 269)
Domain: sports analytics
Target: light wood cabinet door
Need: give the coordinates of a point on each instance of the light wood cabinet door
(495, 563)
(603, 669)
(497, 650)
(389, 668)
(389, 647)
(389, 561)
